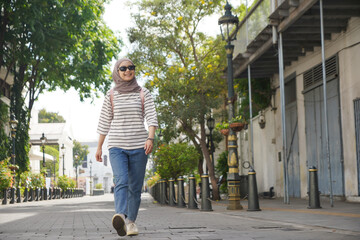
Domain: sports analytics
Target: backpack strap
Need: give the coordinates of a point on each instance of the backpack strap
(142, 100)
(112, 100)
(141, 97)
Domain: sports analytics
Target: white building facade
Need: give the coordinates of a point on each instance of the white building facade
(298, 23)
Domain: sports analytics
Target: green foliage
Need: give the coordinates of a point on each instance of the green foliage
(186, 70)
(222, 125)
(261, 96)
(37, 180)
(238, 119)
(222, 169)
(153, 179)
(98, 186)
(53, 151)
(25, 179)
(175, 160)
(50, 44)
(79, 153)
(64, 182)
(5, 174)
(50, 117)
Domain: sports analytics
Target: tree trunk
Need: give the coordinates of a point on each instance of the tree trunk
(205, 154)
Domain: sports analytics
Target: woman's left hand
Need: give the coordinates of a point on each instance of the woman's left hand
(148, 146)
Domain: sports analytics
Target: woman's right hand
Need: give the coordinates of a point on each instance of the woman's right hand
(98, 155)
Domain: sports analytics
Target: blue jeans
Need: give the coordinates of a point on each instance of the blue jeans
(129, 170)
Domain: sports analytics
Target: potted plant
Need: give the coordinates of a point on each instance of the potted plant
(223, 128)
(237, 123)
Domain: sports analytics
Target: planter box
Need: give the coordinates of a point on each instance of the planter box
(97, 192)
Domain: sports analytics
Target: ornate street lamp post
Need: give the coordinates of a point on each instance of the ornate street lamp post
(76, 168)
(13, 125)
(43, 140)
(228, 26)
(91, 190)
(211, 125)
(63, 150)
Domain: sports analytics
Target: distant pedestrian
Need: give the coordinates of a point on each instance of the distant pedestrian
(122, 118)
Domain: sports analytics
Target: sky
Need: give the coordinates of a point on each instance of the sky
(83, 116)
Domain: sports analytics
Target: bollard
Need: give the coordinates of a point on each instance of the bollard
(157, 192)
(31, 195)
(50, 194)
(205, 193)
(26, 195)
(181, 194)
(172, 200)
(37, 194)
(314, 194)
(192, 193)
(4, 201)
(162, 183)
(41, 193)
(18, 195)
(45, 193)
(12, 195)
(253, 199)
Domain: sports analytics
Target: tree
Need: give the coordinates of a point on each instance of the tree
(57, 44)
(50, 44)
(53, 151)
(79, 154)
(183, 67)
(175, 160)
(50, 117)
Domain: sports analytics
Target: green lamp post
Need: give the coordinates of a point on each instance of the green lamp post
(228, 26)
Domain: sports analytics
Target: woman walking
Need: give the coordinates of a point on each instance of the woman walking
(122, 117)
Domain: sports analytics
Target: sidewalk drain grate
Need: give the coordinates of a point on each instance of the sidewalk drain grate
(289, 229)
(267, 227)
(186, 227)
(279, 228)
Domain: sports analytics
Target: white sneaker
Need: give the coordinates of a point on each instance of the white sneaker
(132, 229)
(118, 223)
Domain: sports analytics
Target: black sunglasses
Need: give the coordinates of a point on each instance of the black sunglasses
(123, 68)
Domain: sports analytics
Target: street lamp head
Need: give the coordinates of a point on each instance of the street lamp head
(228, 23)
(43, 140)
(211, 123)
(63, 149)
(13, 123)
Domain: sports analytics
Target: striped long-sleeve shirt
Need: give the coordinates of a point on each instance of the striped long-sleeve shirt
(126, 128)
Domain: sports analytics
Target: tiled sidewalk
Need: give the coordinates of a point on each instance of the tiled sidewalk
(90, 218)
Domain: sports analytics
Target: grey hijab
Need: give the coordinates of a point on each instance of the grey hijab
(121, 85)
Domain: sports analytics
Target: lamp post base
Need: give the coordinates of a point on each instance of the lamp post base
(234, 192)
